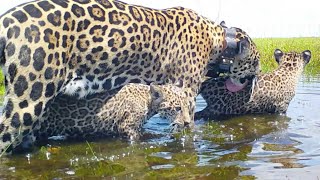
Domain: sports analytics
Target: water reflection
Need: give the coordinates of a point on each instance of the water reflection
(262, 146)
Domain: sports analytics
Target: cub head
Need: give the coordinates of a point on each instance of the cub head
(171, 102)
(292, 59)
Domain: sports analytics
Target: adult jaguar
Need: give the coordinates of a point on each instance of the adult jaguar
(83, 47)
(270, 93)
(121, 111)
(66, 116)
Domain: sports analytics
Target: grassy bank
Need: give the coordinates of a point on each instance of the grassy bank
(267, 46)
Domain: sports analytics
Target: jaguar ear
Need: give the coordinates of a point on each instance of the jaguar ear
(277, 55)
(156, 93)
(243, 49)
(306, 56)
(223, 24)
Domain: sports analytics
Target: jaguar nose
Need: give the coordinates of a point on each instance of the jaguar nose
(186, 124)
(242, 80)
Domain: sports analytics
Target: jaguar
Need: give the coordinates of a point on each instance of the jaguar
(119, 112)
(83, 47)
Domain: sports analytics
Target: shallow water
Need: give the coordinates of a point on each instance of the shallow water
(252, 146)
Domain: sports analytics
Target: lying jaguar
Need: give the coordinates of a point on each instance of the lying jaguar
(119, 112)
(81, 47)
(270, 93)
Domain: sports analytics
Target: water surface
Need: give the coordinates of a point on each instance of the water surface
(247, 147)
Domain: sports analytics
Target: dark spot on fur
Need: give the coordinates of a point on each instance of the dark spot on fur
(114, 17)
(107, 85)
(20, 16)
(135, 81)
(3, 43)
(149, 17)
(90, 78)
(32, 76)
(104, 56)
(105, 3)
(45, 5)
(120, 81)
(32, 11)
(159, 77)
(36, 91)
(42, 23)
(15, 121)
(9, 108)
(6, 137)
(135, 13)
(97, 49)
(7, 22)
(82, 43)
(55, 18)
(119, 5)
(116, 61)
(48, 74)
(32, 33)
(99, 32)
(83, 25)
(23, 104)
(38, 57)
(69, 22)
(52, 39)
(24, 56)
(60, 83)
(97, 13)
(50, 90)
(38, 109)
(13, 32)
(95, 86)
(77, 10)
(61, 3)
(20, 86)
(1, 128)
(11, 49)
(82, 1)
(114, 33)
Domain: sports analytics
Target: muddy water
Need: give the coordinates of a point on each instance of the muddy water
(253, 146)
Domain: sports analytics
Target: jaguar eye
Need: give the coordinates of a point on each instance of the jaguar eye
(178, 109)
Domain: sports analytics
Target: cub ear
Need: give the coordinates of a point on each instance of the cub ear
(277, 55)
(306, 56)
(156, 93)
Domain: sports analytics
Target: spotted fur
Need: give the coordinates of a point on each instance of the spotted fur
(119, 112)
(83, 47)
(270, 93)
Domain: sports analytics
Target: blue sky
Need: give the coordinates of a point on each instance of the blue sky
(260, 18)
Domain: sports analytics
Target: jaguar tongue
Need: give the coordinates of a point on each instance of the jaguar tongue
(235, 87)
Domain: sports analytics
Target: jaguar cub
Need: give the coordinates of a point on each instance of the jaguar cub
(119, 112)
(269, 93)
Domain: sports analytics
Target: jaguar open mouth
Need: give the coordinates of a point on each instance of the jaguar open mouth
(235, 85)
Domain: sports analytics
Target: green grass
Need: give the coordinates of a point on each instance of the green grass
(266, 46)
